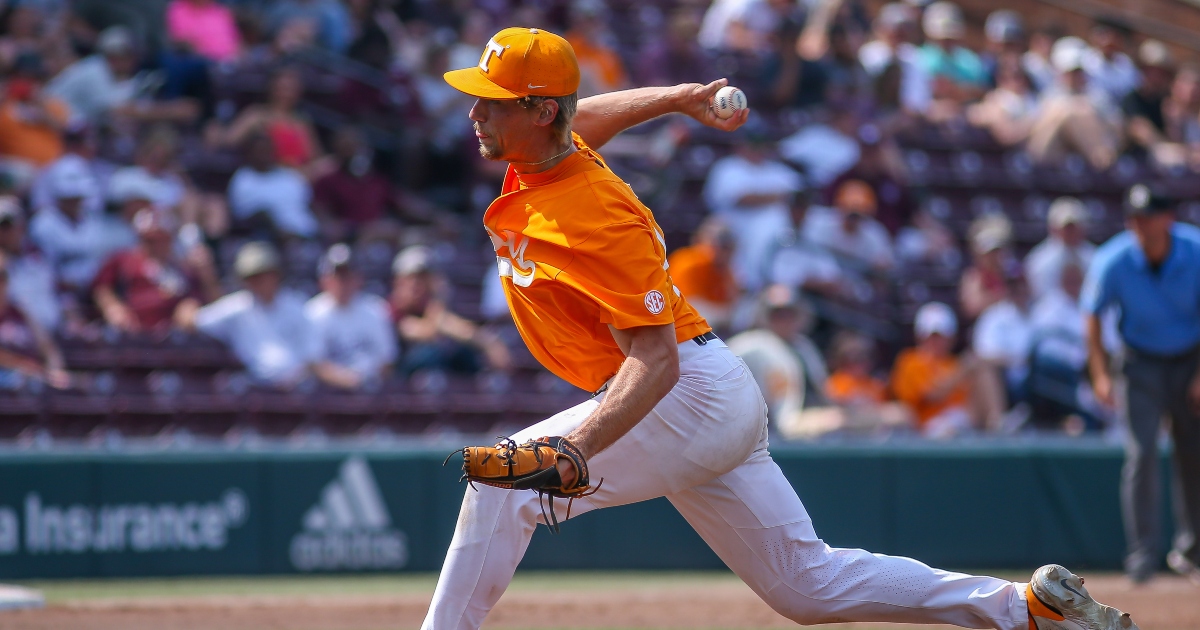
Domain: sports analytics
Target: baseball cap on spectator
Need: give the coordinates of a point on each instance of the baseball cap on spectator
(1066, 211)
(1155, 54)
(1004, 26)
(152, 221)
(781, 297)
(10, 210)
(893, 15)
(132, 183)
(71, 180)
(254, 258)
(520, 62)
(1143, 200)
(935, 318)
(413, 260)
(338, 259)
(115, 40)
(1067, 54)
(989, 239)
(943, 20)
(855, 196)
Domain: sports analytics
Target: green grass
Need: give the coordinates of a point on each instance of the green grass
(58, 591)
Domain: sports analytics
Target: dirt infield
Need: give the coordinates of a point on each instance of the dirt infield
(570, 601)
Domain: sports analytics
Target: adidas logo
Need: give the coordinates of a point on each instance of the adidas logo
(349, 528)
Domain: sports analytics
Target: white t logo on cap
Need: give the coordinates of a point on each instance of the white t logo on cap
(492, 49)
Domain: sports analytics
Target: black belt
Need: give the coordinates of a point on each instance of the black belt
(701, 340)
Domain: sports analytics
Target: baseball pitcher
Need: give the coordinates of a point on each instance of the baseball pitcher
(676, 414)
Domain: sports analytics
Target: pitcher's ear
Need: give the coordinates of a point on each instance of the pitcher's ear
(547, 112)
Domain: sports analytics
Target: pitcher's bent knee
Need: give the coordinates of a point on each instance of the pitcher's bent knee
(484, 508)
(796, 606)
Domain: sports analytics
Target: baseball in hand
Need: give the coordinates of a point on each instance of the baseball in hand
(728, 101)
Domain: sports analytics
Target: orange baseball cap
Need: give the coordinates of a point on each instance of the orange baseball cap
(519, 62)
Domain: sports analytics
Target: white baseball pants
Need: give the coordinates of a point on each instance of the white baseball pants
(704, 447)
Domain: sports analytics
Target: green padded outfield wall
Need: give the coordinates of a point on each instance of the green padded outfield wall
(83, 515)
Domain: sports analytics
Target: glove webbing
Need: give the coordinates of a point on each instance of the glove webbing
(552, 522)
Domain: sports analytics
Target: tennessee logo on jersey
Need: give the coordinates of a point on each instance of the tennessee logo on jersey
(509, 263)
(578, 253)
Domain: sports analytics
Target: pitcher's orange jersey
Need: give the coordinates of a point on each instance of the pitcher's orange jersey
(577, 252)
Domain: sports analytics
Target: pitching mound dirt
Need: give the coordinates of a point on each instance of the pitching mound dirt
(1165, 604)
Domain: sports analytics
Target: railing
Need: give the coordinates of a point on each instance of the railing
(1151, 26)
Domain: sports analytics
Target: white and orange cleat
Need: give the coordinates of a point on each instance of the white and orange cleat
(1058, 601)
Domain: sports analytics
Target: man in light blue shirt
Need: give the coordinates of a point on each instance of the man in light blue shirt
(1151, 274)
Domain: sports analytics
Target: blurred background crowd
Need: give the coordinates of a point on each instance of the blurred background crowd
(244, 218)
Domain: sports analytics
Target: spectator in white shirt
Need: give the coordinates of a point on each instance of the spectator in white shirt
(158, 172)
(891, 60)
(786, 364)
(741, 25)
(1107, 66)
(1003, 337)
(801, 265)
(893, 26)
(268, 198)
(77, 242)
(97, 84)
(1076, 115)
(264, 325)
(825, 150)
(79, 153)
(850, 229)
(1058, 315)
(1067, 243)
(752, 192)
(353, 329)
(1060, 347)
(1057, 311)
(30, 277)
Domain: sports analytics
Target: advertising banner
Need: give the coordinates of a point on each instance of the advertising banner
(92, 515)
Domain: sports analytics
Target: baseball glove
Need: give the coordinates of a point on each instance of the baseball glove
(529, 466)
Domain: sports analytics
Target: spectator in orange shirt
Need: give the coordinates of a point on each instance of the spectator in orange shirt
(701, 271)
(600, 67)
(31, 122)
(930, 379)
(851, 382)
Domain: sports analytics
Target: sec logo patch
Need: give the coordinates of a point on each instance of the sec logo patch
(655, 302)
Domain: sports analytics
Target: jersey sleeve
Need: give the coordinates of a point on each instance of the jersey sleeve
(622, 270)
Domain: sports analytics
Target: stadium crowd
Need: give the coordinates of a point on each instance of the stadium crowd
(294, 179)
